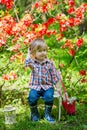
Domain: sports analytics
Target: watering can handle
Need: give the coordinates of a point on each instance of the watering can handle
(63, 86)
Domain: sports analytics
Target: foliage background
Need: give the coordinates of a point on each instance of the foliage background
(12, 54)
(14, 77)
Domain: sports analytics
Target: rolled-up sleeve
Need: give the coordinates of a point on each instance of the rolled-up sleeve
(54, 74)
(29, 63)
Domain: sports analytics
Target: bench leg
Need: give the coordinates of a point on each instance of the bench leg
(60, 104)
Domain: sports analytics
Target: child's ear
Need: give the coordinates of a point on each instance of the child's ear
(29, 49)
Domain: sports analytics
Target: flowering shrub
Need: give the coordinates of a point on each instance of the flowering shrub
(55, 21)
(7, 3)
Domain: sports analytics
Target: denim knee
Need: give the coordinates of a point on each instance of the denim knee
(48, 96)
(33, 97)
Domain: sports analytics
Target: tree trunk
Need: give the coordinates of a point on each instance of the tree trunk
(83, 27)
(1, 94)
(0, 97)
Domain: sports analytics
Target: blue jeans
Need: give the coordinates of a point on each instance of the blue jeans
(47, 96)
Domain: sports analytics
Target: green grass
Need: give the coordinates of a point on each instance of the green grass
(76, 122)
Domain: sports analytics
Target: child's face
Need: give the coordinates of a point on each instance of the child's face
(41, 54)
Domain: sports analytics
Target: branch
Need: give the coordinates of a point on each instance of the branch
(15, 11)
(2, 85)
(76, 62)
(72, 58)
(77, 81)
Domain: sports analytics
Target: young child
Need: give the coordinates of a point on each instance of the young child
(43, 78)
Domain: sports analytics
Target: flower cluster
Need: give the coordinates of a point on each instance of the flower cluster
(21, 28)
(2, 41)
(6, 24)
(44, 5)
(71, 46)
(18, 56)
(28, 28)
(83, 73)
(8, 3)
(10, 76)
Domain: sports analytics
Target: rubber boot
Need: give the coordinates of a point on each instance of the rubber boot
(48, 117)
(34, 113)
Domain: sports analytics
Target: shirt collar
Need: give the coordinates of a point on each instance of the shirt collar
(43, 62)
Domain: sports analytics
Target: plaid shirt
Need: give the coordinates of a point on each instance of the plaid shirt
(43, 75)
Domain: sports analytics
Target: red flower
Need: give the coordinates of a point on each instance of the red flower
(51, 32)
(62, 29)
(71, 10)
(72, 52)
(71, 22)
(55, 2)
(62, 24)
(77, 21)
(79, 14)
(10, 76)
(59, 36)
(34, 26)
(79, 42)
(51, 20)
(82, 72)
(84, 80)
(8, 3)
(71, 2)
(5, 77)
(36, 5)
(68, 44)
(44, 8)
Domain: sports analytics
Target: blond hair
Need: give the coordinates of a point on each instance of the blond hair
(37, 44)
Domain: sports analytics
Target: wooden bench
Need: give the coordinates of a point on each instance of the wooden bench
(56, 95)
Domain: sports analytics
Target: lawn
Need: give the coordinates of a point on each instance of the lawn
(75, 122)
